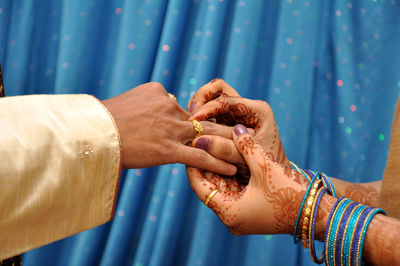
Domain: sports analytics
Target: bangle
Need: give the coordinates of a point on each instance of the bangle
(309, 174)
(332, 229)
(327, 182)
(311, 240)
(364, 231)
(295, 238)
(345, 232)
(339, 225)
(344, 250)
(307, 212)
(356, 235)
(294, 166)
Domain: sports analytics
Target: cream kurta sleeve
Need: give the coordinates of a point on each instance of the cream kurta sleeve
(59, 169)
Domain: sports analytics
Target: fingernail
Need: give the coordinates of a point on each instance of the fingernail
(203, 143)
(240, 129)
(192, 107)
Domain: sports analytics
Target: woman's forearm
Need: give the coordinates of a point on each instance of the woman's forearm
(365, 193)
(381, 246)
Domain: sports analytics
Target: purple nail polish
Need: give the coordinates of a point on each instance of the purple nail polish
(240, 129)
(192, 107)
(203, 143)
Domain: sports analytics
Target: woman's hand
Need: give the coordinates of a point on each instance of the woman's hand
(209, 92)
(269, 204)
(154, 130)
(230, 109)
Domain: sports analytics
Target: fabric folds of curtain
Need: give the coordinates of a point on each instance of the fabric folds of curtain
(329, 70)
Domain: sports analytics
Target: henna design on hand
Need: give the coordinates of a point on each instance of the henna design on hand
(296, 176)
(216, 112)
(247, 145)
(245, 115)
(285, 201)
(224, 214)
(285, 204)
(363, 194)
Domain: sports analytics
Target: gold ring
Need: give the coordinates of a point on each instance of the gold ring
(198, 127)
(172, 96)
(212, 194)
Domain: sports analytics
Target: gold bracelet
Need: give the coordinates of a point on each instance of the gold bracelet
(307, 212)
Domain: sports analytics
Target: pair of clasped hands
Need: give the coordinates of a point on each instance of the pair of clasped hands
(239, 158)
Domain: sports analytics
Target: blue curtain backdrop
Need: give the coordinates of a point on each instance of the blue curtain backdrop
(329, 69)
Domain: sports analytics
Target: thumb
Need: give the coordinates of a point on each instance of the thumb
(251, 151)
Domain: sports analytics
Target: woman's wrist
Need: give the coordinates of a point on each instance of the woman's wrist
(324, 209)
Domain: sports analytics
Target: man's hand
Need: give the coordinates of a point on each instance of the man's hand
(154, 130)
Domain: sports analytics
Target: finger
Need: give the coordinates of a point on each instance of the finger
(201, 159)
(223, 183)
(211, 109)
(209, 92)
(241, 111)
(209, 128)
(212, 128)
(203, 187)
(250, 149)
(219, 147)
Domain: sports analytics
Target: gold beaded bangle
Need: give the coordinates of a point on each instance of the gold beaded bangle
(307, 212)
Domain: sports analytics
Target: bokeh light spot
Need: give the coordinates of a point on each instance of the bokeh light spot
(192, 81)
(166, 48)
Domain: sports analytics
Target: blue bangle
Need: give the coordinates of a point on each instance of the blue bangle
(311, 239)
(311, 173)
(294, 166)
(348, 232)
(329, 223)
(363, 233)
(295, 238)
(340, 222)
(329, 184)
(332, 228)
(357, 234)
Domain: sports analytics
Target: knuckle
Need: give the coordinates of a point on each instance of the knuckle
(208, 127)
(226, 149)
(156, 85)
(215, 80)
(201, 156)
(264, 106)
